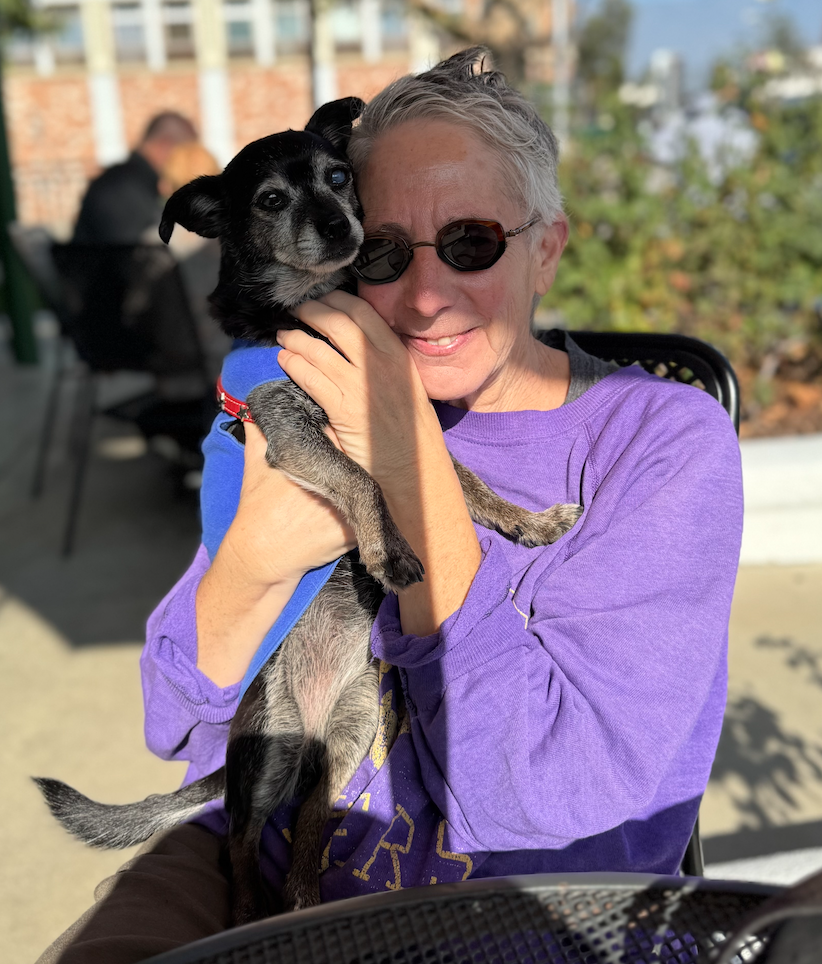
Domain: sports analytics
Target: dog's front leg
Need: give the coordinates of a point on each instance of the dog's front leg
(297, 444)
(512, 521)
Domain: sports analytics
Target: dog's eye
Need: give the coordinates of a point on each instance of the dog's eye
(338, 177)
(275, 201)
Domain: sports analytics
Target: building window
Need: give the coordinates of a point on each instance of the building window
(239, 28)
(129, 32)
(345, 23)
(292, 26)
(18, 48)
(178, 29)
(394, 25)
(67, 39)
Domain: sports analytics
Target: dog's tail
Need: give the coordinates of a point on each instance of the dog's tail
(114, 826)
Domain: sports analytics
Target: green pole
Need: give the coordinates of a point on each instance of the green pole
(15, 280)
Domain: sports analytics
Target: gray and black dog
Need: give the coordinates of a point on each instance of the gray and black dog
(288, 220)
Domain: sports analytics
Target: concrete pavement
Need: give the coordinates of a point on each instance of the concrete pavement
(71, 631)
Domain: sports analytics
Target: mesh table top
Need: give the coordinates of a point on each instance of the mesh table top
(545, 919)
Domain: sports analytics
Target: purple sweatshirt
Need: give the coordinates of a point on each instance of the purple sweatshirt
(566, 717)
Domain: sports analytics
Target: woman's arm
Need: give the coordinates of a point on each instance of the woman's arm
(593, 696)
(280, 531)
(202, 636)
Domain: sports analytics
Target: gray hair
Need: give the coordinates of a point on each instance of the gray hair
(463, 91)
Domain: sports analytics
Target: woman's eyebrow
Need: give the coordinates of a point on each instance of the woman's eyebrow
(388, 227)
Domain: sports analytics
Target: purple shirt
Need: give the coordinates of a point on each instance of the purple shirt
(566, 717)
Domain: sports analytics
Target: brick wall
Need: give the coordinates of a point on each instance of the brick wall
(51, 144)
(50, 126)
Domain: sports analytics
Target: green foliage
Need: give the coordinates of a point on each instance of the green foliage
(738, 263)
(601, 43)
(19, 15)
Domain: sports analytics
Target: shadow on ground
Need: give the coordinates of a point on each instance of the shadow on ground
(138, 528)
(769, 771)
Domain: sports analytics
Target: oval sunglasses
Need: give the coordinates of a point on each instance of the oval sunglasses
(465, 245)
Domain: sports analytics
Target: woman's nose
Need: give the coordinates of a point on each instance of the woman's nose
(428, 283)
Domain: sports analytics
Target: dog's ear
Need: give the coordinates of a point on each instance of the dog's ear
(199, 206)
(334, 120)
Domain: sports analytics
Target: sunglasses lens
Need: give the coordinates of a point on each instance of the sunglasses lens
(381, 260)
(470, 245)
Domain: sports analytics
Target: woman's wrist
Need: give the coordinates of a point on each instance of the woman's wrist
(234, 611)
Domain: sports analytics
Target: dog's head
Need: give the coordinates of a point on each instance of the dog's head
(284, 210)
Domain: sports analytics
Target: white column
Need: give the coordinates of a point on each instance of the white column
(104, 88)
(559, 41)
(325, 71)
(262, 19)
(371, 21)
(423, 43)
(43, 57)
(155, 38)
(213, 81)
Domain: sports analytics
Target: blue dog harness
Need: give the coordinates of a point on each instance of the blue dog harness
(243, 370)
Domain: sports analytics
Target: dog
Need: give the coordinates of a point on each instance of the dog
(288, 219)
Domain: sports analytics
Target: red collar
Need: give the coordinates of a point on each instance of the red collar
(230, 405)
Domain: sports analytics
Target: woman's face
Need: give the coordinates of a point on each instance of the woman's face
(468, 332)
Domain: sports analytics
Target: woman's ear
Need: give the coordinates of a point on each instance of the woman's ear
(549, 251)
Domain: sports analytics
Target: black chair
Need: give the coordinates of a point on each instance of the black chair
(552, 919)
(677, 357)
(121, 308)
(542, 919)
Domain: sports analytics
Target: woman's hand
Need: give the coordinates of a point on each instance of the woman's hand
(371, 393)
(281, 530)
(377, 405)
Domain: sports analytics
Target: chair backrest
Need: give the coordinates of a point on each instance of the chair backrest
(33, 244)
(127, 308)
(677, 357)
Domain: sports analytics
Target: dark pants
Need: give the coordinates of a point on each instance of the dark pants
(174, 891)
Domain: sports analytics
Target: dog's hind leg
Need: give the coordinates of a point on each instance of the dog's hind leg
(351, 730)
(263, 771)
(294, 428)
(512, 521)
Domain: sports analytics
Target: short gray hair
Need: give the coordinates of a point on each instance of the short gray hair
(463, 91)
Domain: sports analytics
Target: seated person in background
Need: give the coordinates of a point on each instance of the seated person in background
(123, 204)
(199, 258)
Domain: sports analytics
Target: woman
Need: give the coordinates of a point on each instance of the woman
(552, 709)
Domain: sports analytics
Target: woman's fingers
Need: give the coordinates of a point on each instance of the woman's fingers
(323, 388)
(349, 323)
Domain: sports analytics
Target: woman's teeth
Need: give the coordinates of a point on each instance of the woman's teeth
(440, 341)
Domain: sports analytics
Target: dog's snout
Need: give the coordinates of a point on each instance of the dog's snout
(335, 229)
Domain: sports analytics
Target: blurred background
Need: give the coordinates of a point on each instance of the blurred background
(691, 135)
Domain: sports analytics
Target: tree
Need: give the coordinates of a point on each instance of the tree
(601, 43)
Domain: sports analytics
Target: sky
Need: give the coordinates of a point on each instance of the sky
(702, 30)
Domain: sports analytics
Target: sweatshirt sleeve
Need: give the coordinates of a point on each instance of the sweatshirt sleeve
(186, 714)
(559, 703)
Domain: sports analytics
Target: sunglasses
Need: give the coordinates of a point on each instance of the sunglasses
(466, 245)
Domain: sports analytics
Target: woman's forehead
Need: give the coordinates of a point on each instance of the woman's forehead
(430, 166)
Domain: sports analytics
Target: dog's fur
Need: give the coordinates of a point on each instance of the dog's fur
(289, 223)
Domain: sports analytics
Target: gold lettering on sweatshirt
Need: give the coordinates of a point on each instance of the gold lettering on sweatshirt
(394, 849)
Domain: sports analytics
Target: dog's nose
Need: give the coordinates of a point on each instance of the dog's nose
(335, 229)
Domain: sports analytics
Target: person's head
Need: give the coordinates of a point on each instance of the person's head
(163, 133)
(185, 162)
(457, 142)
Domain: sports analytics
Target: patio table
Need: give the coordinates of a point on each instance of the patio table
(541, 919)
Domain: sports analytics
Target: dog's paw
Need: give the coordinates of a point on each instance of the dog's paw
(300, 898)
(394, 570)
(543, 528)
